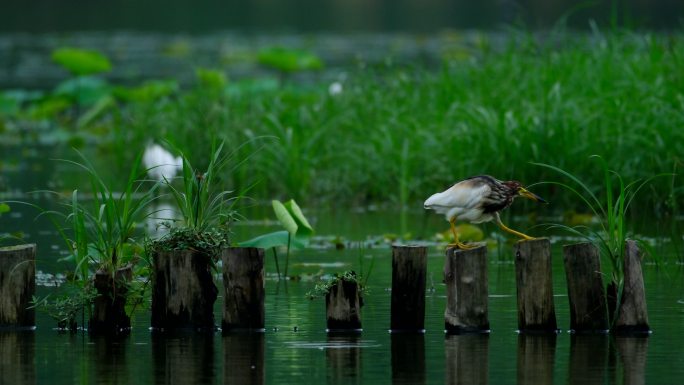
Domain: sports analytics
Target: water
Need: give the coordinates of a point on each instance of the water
(296, 349)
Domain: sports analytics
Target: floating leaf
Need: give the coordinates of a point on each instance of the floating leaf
(4, 208)
(80, 61)
(209, 78)
(289, 60)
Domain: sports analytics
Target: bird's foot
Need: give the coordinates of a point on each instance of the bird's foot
(461, 246)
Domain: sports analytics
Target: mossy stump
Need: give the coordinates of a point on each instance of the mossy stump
(109, 307)
(244, 290)
(17, 286)
(183, 291)
(343, 307)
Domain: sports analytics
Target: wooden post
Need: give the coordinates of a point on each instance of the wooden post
(243, 358)
(409, 268)
(536, 312)
(109, 307)
(183, 292)
(408, 358)
(17, 285)
(244, 291)
(465, 275)
(632, 315)
(467, 359)
(343, 307)
(588, 309)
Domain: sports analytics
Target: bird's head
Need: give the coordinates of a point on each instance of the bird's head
(518, 189)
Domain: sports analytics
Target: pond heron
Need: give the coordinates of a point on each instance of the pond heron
(478, 199)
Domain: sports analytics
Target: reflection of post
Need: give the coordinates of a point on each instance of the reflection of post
(408, 358)
(536, 355)
(17, 364)
(632, 351)
(110, 356)
(243, 358)
(588, 358)
(343, 357)
(467, 359)
(183, 359)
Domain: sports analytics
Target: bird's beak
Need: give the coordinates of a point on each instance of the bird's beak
(524, 193)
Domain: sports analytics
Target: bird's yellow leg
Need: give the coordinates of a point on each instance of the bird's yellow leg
(457, 244)
(509, 230)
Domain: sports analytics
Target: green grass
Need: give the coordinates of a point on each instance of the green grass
(397, 134)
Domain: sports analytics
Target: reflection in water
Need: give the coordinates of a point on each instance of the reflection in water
(343, 358)
(110, 359)
(17, 365)
(183, 358)
(588, 358)
(467, 359)
(632, 352)
(243, 358)
(536, 354)
(408, 358)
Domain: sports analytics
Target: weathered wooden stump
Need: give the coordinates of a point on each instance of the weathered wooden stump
(408, 358)
(465, 275)
(632, 315)
(183, 291)
(17, 285)
(109, 307)
(343, 307)
(536, 312)
(243, 358)
(244, 291)
(536, 356)
(588, 358)
(409, 269)
(588, 308)
(467, 359)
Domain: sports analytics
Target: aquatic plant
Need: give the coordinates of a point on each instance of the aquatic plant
(322, 288)
(297, 232)
(205, 211)
(610, 211)
(100, 232)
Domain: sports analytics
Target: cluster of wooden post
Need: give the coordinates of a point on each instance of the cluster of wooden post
(184, 292)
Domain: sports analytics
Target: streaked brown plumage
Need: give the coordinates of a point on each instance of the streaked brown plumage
(478, 199)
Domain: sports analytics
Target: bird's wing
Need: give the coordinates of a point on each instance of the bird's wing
(465, 194)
